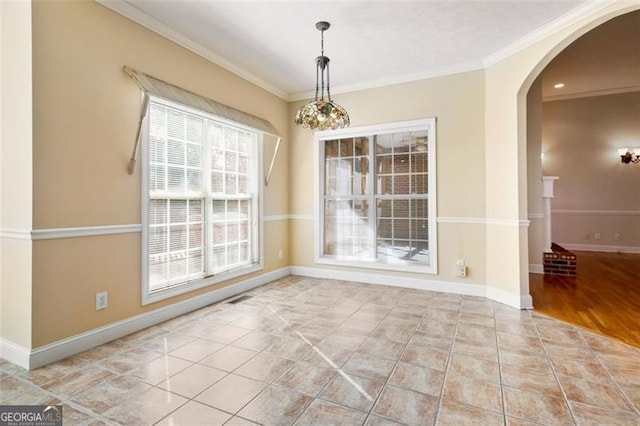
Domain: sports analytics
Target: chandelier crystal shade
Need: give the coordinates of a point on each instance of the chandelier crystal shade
(321, 113)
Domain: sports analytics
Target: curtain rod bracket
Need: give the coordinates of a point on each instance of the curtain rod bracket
(267, 178)
(143, 112)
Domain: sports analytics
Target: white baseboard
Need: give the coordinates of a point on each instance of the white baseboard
(526, 301)
(518, 301)
(81, 342)
(14, 353)
(514, 300)
(603, 248)
(536, 268)
(373, 278)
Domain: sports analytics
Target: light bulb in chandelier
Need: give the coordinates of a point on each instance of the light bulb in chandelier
(321, 113)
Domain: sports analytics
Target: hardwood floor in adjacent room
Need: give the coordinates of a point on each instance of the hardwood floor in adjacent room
(604, 297)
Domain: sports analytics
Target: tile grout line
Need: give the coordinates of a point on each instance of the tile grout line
(395, 366)
(296, 363)
(369, 335)
(448, 364)
(502, 390)
(553, 371)
(273, 382)
(226, 345)
(143, 340)
(267, 305)
(349, 359)
(611, 377)
(193, 363)
(137, 343)
(67, 400)
(447, 367)
(299, 361)
(236, 414)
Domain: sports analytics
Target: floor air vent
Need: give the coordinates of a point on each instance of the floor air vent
(240, 299)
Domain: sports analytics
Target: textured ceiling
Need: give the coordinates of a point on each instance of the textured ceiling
(274, 44)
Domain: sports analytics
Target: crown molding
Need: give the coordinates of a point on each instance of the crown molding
(591, 93)
(545, 31)
(124, 8)
(136, 15)
(441, 72)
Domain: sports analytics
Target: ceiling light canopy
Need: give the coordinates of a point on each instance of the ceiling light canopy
(321, 113)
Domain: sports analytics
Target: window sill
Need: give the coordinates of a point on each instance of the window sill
(400, 267)
(156, 296)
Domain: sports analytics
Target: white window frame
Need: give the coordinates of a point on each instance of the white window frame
(428, 124)
(149, 296)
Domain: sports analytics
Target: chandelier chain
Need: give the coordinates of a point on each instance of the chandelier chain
(317, 76)
(328, 85)
(323, 65)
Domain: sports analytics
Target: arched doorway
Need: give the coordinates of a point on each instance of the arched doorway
(581, 109)
(508, 78)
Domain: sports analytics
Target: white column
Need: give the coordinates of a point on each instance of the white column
(547, 195)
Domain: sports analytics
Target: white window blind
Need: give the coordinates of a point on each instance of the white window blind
(202, 186)
(377, 196)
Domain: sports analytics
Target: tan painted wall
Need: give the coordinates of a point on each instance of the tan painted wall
(16, 116)
(534, 173)
(15, 172)
(581, 138)
(85, 118)
(457, 101)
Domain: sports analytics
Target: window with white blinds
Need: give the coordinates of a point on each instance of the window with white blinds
(377, 196)
(201, 192)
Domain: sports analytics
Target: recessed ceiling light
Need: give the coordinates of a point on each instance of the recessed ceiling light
(558, 85)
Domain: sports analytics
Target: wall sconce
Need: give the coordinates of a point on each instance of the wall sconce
(627, 157)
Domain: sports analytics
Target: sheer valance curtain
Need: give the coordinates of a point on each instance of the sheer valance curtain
(154, 86)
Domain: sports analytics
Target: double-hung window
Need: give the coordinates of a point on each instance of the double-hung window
(201, 210)
(376, 204)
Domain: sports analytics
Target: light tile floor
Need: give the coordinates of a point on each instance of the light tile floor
(309, 351)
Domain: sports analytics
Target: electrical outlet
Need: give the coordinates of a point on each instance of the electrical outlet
(102, 300)
(587, 236)
(461, 268)
(597, 236)
(617, 236)
(280, 254)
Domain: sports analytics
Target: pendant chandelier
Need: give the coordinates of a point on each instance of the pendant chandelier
(321, 113)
